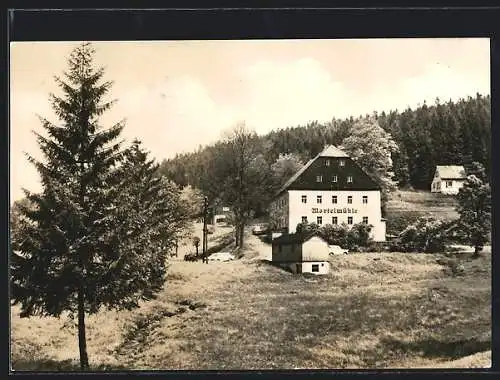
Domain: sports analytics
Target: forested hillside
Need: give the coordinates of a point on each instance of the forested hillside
(439, 134)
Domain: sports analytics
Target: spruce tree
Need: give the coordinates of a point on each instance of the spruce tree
(73, 253)
(149, 209)
(474, 208)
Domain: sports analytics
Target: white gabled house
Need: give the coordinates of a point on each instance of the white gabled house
(448, 179)
(301, 253)
(330, 189)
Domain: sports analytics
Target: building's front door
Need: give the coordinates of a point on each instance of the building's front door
(299, 268)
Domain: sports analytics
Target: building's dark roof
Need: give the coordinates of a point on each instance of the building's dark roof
(297, 238)
(305, 178)
(329, 151)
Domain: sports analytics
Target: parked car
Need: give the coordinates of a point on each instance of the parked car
(260, 229)
(221, 256)
(337, 250)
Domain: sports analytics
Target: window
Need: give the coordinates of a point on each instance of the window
(335, 220)
(365, 219)
(319, 199)
(342, 163)
(365, 199)
(319, 219)
(304, 199)
(327, 162)
(334, 199)
(315, 268)
(349, 220)
(449, 183)
(334, 178)
(349, 179)
(304, 219)
(349, 199)
(319, 178)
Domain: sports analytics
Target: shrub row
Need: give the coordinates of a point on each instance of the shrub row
(425, 235)
(353, 238)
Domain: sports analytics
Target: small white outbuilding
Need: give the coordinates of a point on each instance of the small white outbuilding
(448, 179)
(301, 253)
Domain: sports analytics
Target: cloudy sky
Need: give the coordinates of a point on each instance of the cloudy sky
(178, 95)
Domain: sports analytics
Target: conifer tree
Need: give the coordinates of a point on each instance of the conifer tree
(474, 208)
(74, 253)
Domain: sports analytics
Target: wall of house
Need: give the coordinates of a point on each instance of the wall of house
(453, 189)
(342, 210)
(287, 253)
(442, 186)
(278, 211)
(323, 266)
(436, 185)
(315, 249)
(306, 267)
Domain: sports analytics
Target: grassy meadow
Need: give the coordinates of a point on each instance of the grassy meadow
(383, 310)
(405, 207)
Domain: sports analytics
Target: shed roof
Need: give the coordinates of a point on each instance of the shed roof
(451, 171)
(297, 238)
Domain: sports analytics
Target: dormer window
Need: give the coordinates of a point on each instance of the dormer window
(342, 163)
(349, 179)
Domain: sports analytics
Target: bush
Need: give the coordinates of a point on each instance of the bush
(377, 247)
(359, 235)
(352, 238)
(397, 221)
(426, 235)
(335, 234)
(306, 228)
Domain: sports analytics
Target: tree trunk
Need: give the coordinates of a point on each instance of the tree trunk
(476, 254)
(82, 340)
(237, 235)
(241, 233)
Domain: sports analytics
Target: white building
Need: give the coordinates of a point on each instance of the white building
(448, 179)
(220, 215)
(301, 253)
(330, 189)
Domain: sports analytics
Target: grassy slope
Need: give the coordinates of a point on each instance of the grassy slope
(405, 206)
(372, 310)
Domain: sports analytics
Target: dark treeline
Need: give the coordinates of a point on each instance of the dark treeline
(445, 133)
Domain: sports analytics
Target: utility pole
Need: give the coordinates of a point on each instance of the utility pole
(205, 232)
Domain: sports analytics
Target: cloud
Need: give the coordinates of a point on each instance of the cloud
(175, 115)
(24, 108)
(180, 113)
(443, 82)
(281, 94)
